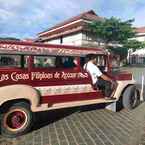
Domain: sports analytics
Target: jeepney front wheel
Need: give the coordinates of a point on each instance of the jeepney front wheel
(17, 120)
(131, 97)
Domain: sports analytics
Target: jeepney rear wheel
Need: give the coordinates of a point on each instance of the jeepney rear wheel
(17, 120)
(131, 97)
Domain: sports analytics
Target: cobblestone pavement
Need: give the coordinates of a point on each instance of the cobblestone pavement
(90, 125)
(138, 73)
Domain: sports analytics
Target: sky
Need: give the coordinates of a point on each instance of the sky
(26, 18)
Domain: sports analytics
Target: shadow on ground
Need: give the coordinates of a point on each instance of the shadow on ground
(45, 118)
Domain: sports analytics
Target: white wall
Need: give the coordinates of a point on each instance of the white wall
(140, 38)
(90, 39)
(74, 39)
(55, 41)
(77, 39)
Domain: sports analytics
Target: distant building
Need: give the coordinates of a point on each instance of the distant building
(28, 40)
(73, 31)
(140, 36)
(138, 57)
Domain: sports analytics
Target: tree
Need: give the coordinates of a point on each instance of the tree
(143, 43)
(9, 38)
(134, 44)
(112, 30)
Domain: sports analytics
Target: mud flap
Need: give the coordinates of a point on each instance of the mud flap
(114, 106)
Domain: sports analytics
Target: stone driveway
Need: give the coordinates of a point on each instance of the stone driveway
(89, 125)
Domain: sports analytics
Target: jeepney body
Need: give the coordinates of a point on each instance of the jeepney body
(38, 77)
(38, 73)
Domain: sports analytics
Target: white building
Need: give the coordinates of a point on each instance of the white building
(140, 36)
(138, 57)
(73, 31)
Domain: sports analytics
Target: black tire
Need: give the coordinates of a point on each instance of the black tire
(17, 120)
(131, 97)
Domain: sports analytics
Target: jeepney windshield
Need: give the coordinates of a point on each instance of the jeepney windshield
(101, 62)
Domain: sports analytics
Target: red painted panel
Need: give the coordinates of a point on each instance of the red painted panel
(43, 78)
(123, 76)
(71, 97)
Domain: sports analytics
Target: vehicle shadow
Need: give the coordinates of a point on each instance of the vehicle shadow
(48, 117)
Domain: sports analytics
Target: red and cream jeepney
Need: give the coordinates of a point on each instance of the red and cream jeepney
(39, 77)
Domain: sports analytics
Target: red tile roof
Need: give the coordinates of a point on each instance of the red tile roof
(63, 29)
(140, 30)
(89, 15)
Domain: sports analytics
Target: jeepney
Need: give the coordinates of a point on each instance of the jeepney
(40, 77)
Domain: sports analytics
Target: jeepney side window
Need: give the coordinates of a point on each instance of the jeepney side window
(100, 60)
(44, 61)
(24, 61)
(68, 62)
(12, 61)
(54, 62)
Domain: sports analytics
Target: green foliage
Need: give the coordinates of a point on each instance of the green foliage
(134, 44)
(112, 30)
(115, 31)
(143, 43)
(9, 38)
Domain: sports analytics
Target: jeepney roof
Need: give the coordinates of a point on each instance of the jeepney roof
(31, 48)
